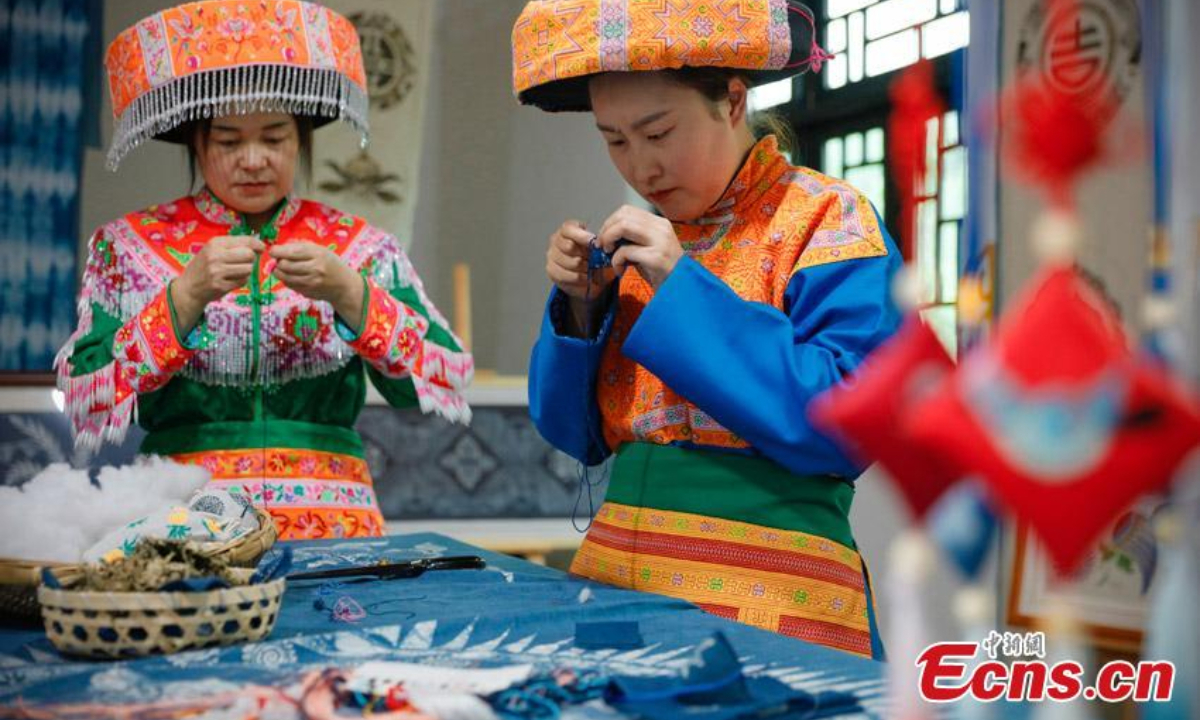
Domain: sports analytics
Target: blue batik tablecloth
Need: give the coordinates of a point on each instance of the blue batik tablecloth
(513, 612)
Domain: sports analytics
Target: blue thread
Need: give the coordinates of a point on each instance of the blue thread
(326, 591)
(598, 259)
(542, 697)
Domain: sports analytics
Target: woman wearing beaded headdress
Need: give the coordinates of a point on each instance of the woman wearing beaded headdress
(755, 285)
(238, 325)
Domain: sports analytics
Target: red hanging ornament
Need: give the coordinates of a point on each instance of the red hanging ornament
(1054, 136)
(915, 102)
(867, 412)
(1057, 415)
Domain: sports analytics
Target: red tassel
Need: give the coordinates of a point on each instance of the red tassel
(915, 101)
(1054, 137)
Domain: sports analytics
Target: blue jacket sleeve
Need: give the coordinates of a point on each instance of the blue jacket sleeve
(562, 385)
(753, 368)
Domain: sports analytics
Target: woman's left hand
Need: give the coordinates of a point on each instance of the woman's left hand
(652, 248)
(317, 272)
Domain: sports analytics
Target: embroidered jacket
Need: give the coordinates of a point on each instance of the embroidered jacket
(263, 351)
(783, 290)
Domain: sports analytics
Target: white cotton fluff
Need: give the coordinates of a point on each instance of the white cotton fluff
(59, 513)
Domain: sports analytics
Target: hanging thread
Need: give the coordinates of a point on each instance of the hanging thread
(333, 596)
(598, 260)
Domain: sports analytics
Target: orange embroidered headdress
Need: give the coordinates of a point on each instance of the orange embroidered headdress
(218, 57)
(559, 44)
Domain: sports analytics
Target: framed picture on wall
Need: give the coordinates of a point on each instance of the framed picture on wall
(1109, 595)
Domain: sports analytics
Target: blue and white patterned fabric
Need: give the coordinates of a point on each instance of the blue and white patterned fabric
(41, 103)
(424, 468)
(511, 613)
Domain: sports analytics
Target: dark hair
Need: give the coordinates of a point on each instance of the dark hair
(713, 84)
(197, 131)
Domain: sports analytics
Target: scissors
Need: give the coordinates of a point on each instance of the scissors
(391, 571)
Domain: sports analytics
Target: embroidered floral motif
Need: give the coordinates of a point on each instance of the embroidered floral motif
(318, 524)
(283, 463)
(305, 326)
(391, 336)
(309, 494)
(213, 209)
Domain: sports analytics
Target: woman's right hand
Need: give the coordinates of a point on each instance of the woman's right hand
(567, 263)
(222, 265)
(567, 268)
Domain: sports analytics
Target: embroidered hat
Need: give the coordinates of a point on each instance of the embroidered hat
(220, 57)
(559, 44)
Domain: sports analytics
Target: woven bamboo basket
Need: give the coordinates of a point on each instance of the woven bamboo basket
(108, 625)
(19, 579)
(246, 550)
(18, 588)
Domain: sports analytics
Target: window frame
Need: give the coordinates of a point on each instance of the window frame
(816, 114)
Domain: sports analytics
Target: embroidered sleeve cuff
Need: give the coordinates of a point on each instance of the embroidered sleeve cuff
(198, 338)
(392, 335)
(562, 381)
(147, 349)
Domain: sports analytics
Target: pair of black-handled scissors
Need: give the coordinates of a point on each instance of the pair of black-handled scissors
(391, 571)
